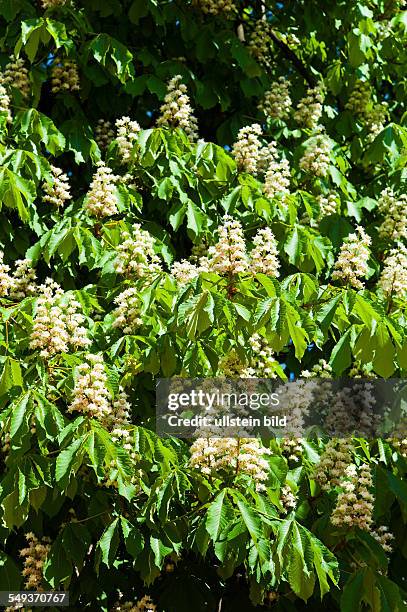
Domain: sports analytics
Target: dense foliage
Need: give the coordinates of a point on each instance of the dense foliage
(200, 189)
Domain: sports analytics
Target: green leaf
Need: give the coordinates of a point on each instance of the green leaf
(68, 460)
(133, 539)
(10, 576)
(109, 543)
(217, 516)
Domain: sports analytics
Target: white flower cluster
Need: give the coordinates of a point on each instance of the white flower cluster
(184, 271)
(334, 460)
(297, 396)
(16, 75)
(259, 43)
(6, 281)
(316, 157)
(309, 109)
(351, 264)
(35, 556)
(145, 604)
(177, 111)
(23, 282)
(19, 285)
(360, 370)
(65, 76)
(229, 255)
(90, 395)
(127, 313)
(101, 199)
(393, 279)
(52, 3)
(354, 506)
(277, 102)
(277, 179)
(5, 103)
(394, 210)
(376, 120)
(322, 369)
(287, 498)
(225, 8)
(263, 361)
(231, 366)
(57, 192)
(135, 255)
(264, 256)
(127, 133)
(56, 325)
(359, 101)
(328, 204)
(246, 149)
(232, 456)
(384, 537)
(104, 133)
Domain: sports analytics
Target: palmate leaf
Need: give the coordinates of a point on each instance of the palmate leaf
(304, 558)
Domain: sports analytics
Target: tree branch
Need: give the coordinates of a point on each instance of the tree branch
(290, 55)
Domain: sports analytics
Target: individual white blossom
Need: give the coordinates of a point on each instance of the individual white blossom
(176, 112)
(104, 133)
(64, 76)
(127, 133)
(90, 394)
(5, 103)
(34, 555)
(352, 262)
(316, 157)
(333, 462)
(264, 256)
(394, 210)
(393, 279)
(246, 149)
(231, 456)
(309, 109)
(229, 255)
(135, 254)
(277, 102)
(101, 200)
(127, 313)
(16, 75)
(58, 191)
(354, 506)
(24, 277)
